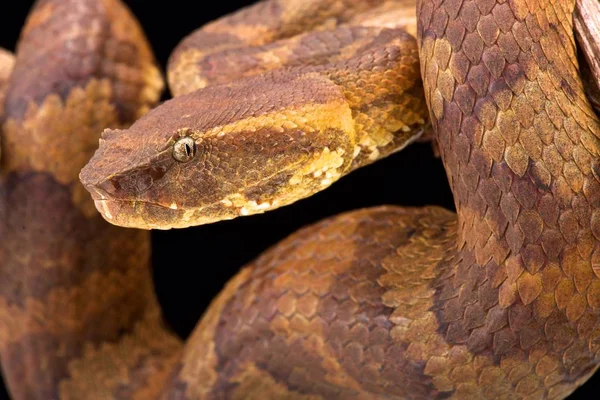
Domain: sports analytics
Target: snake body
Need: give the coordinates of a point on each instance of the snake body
(7, 62)
(74, 290)
(497, 301)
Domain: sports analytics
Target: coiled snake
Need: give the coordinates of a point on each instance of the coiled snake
(500, 300)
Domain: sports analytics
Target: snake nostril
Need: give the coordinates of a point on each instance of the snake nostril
(125, 186)
(131, 184)
(109, 188)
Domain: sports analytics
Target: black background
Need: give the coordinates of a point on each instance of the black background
(192, 265)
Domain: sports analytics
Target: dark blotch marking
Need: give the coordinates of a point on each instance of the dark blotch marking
(49, 237)
(351, 313)
(50, 63)
(64, 248)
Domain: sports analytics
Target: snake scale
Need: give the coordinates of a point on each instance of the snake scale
(499, 300)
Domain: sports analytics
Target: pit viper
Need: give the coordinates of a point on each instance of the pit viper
(499, 300)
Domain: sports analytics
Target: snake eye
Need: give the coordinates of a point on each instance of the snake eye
(184, 149)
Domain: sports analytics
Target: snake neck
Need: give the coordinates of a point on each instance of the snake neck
(519, 143)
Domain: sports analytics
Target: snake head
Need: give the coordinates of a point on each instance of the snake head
(223, 152)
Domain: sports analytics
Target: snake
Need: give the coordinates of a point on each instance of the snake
(498, 300)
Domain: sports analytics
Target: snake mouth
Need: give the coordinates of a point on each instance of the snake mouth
(147, 215)
(137, 214)
(141, 214)
(130, 213)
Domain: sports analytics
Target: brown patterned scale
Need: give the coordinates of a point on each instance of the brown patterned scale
(497, 301)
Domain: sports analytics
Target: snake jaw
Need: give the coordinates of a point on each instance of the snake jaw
(266, 141)
(130, 211)
(245, 164)
(136, 214)
(101, 205)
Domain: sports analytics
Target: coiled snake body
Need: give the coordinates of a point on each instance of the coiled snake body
(500, 300)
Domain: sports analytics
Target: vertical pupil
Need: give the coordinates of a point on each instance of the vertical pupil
(184, 149)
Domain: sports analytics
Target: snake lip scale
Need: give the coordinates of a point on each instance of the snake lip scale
(273, 103)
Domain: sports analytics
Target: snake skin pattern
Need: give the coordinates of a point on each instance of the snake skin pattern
(73, 289)
(298, 114)
(497, 301)
(7, 62)
(586, 20)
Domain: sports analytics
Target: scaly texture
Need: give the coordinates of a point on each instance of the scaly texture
(519, 142)
(280, 118)
(78, 314)
(498, 301)
(587, 29)
(268, 22)
(7, 62)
